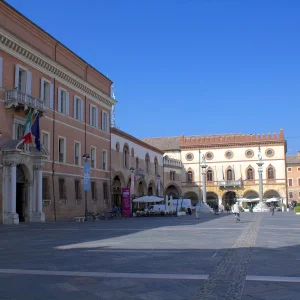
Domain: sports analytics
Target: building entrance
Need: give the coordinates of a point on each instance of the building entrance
(20, 194)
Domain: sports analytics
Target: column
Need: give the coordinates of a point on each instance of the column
(13, 187)
(158, 186)
(261, 188)
(204, 183)
(39, 206)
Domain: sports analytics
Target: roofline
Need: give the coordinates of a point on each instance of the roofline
(57, 41)
(136, 140)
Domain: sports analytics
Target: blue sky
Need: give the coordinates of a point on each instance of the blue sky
(188, 66)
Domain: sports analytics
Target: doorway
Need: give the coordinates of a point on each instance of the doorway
(229, 198)
(20, 194)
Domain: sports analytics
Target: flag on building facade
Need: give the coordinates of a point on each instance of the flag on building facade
(27, 130)
(35, 130)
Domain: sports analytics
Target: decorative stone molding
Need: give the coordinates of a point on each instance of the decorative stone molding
(11, 161)
(38, 166)
(13, 45)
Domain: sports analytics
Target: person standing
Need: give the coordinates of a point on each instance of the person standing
(197, 210)
(272, 208)
(236, 211)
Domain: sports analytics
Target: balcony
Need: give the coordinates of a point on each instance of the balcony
(19, 100)
(230, 183)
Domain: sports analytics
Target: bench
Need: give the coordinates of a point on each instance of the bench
(79, 219)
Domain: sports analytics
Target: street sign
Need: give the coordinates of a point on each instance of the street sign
(86, 176)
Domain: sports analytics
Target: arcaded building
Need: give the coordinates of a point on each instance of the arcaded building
(39, 75)
(231, 165)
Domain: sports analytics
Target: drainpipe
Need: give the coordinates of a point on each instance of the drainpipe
(53, 139)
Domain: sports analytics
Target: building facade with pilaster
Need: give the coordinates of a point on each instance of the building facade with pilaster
(231, 166)
(38, 74)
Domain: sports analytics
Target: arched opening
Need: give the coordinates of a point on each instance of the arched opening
(155, 166)
(193, 196)
(141, 190)
(270, 173)
(125, 156)
(147, 163)
(229, 175)
(190, 175)
(21, 193)
(271, 194)
(229, 198)
(151, 189)
(250, 173)
(117, 191)
(250, 195)
(172, 190)
(212, 199)
(209, 176)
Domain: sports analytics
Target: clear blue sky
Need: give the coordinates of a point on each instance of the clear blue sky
(188, 66)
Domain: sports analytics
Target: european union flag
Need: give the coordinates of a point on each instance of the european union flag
(35, 130)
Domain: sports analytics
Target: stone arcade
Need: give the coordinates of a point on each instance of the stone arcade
(22, 182)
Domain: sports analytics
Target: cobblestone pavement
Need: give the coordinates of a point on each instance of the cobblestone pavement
(153, 258)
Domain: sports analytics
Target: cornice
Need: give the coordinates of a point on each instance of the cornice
(22, 51)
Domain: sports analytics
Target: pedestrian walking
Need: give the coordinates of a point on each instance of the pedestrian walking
(227, 208)
(216, 209)
(197, 210)
(236, 211)
(221, 208)
(272, 208)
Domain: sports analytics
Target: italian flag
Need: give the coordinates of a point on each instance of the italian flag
(27, 130)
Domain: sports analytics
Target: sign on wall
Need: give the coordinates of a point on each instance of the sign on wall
(126, 202)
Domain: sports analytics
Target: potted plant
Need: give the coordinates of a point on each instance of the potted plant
(297, 209)
(247, 208)
(181, 212)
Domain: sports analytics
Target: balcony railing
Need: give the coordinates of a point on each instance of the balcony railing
(230, 183)
(16, 98)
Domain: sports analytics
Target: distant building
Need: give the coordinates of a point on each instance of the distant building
(293, 177)
(232, 170)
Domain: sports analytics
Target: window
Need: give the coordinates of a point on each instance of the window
(46, 188)
(289, 169)
(271, 174)
(93, 190)
(78, 109)
(209, 155)
(93, 115)
(172, 175)
(147, 162)
(117, 146)
(61, 149)
(19, 131)
(125, 156)
(229, 174)
(250, 174)
(132, 152)
(93, 157)
(155, 166)
(104, 160)
(22, 80)
(190, 176)
(269, 152)
(298, 169)
(105, 190)
(249, 153)
(104, 124)
(209, 176)
(62, 190)
(77, 153)
(189, 156)
(229, 155)
(45, 92)
(290, 182)
(63, 101)
(77, 190)
(46, 140)
(291, 195)
(137, 163)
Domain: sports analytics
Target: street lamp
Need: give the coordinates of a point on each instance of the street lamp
(86, 177)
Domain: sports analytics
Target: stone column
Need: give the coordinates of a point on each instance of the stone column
(37, 209)
(261, 188)
(13, 187)
(204, 182)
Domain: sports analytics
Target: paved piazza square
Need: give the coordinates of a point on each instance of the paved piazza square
(154, 258)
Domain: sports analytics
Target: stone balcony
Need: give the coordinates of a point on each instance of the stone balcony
(230, 183)
(21, 101)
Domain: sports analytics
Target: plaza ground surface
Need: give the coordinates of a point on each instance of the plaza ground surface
(154, 258)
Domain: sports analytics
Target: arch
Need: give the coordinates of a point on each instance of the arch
(271, 193)
(147, 162)
(250, 194)
(151, 188)
(229, 198)
(132, 152)
(137, 163)
(229, 173)
(118, 176)
(250, 173)
(125, 155)
(141, 188)
(117, 146)
(212, 198)
(173, 190)
(271, 172)
(190, 175)
(210, 175)
(155, 165)
(193, 196)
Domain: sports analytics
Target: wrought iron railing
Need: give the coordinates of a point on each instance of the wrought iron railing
(230, 183)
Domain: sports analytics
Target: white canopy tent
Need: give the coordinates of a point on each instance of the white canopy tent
(148, 199)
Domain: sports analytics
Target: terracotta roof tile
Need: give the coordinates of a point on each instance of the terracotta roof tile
(292, 160)
(164, 143)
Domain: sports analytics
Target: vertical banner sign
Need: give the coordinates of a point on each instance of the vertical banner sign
(87, 182)
(126, 202)
(132, 184)
(158, 186)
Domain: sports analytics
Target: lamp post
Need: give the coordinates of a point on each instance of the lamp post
(203, 167)
(87, 183)
(131, 187)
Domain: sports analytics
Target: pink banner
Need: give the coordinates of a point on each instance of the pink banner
(126, 202)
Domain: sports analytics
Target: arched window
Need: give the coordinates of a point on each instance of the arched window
(209, 176)
(118, 146)
(229, 174)
(190, 176)
(137, 163)
(147, 162)
(250, 174)
(132, 152)
(271, 173)
(155, 166)
(125, 156)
